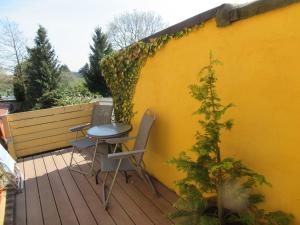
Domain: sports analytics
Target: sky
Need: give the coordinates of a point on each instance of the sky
(70, 23)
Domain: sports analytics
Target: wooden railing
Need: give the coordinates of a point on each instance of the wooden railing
(37, 131)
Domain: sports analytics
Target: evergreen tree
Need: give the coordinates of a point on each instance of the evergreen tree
(217, 190)
(92, 72)
(19, 82)
(43, 72)
(65, 68)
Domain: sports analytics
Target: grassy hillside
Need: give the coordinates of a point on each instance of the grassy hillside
(71, 78)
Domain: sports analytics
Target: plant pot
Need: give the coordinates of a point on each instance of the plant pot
(213, 210)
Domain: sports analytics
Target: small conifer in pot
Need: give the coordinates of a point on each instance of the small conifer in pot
(217, 190)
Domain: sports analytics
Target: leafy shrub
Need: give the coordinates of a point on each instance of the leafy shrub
(19, 90)
(6, 85)
(76, 94)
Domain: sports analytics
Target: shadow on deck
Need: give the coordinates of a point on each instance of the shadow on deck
(55, 195)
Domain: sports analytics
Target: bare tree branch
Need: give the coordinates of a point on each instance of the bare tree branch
(12, 45)
(131, 27)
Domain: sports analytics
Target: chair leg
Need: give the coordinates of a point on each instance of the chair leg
(93, 160)
(106, 198)
(147, 179)
(73, 149)
(127, 176)
(91, 171)
(104, 186)
(97, 175)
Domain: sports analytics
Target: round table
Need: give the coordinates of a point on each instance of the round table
(107, 131)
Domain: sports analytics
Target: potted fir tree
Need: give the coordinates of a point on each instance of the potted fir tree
(217, 190)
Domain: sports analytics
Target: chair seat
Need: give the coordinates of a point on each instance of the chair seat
(109, 165)
(83, 143)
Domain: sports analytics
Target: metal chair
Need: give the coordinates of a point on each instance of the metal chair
(129, 159)
(101, 115)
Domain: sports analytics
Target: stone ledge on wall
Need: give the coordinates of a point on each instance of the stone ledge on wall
(225, 14)
(228, 13)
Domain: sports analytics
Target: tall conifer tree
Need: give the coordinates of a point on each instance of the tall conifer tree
(43, 72)
(92, 71)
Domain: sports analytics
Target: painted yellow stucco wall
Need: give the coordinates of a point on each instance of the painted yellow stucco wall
(260, 75)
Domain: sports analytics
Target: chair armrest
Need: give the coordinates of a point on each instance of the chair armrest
(120, 140)
(123, 155)
(79, 127)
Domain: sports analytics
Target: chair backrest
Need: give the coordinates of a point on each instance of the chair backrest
(101, 114)
(144, 130)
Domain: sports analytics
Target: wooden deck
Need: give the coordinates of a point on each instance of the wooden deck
(55, 195)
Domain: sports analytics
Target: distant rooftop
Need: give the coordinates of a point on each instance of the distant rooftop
(7, 98)
(4, 108)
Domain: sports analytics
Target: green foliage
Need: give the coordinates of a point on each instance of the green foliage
(19, 82)
(6, 84)
(65, 95)
(40, 82)
(65, 68)
(69, 78)
(78, 93)
(121, 71)
(226, 180)
(3, 178)
(92, 72)
(43, 72)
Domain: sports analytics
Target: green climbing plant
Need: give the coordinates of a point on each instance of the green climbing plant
(121, 71)
(217, 190)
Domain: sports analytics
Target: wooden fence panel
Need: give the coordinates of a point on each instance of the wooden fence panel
(43, 130)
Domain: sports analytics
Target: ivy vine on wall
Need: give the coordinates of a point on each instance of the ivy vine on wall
(121, 70)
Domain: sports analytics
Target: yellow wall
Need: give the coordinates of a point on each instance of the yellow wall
(260, 75)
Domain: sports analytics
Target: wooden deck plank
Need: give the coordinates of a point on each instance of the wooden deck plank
(33, 206)
(101, 215)
(50, 213)
(20, 216)
(117, 212)
(55, 195)
(165, 192)
(65, 209)
(131, 207)
(136, 214)
(147, 206)
(161, 203)
(81, 209)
